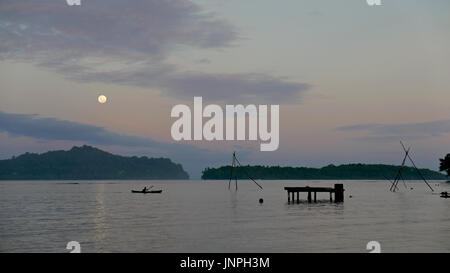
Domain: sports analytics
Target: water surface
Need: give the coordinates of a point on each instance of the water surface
(203, 216)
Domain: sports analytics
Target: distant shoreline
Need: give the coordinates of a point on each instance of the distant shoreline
(88, 163)
(90, 179)
(218, 180)
(330, 172)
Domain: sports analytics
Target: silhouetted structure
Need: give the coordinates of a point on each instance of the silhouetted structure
(338, 191)
(234, 163)
(399, 175)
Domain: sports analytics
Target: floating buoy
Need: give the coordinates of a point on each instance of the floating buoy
(350, 196)
(261, 200)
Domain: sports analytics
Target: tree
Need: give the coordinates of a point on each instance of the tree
(445, 164)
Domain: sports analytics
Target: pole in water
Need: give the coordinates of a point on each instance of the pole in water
(399, 173)
(261, 200)
(233, 163)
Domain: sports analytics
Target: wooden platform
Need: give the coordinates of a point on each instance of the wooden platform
(338, 192)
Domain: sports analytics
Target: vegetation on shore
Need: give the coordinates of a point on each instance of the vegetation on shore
(87, 162)
(445, 164)
(330, 172)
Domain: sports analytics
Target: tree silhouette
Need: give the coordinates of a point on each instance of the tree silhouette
(349, 171)
(87, 162)
(445, 164)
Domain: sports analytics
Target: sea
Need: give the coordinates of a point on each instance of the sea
(207, 216)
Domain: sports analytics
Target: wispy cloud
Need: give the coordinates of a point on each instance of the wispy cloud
(53, 129)
(235, 87)
(128, 42)
(394, 132)
(203, 61)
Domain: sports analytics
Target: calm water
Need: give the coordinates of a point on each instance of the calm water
(203, 216)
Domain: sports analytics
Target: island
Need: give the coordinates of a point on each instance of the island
(86, 162)
(330, 172)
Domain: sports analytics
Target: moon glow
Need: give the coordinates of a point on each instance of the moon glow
(102, 99)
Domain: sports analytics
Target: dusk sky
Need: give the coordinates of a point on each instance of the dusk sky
(352, 80)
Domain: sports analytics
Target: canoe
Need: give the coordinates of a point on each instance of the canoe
(155, 191)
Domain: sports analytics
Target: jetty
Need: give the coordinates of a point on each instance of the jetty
(338, 192)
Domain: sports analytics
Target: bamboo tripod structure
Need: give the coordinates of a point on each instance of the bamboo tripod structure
(235, 164)
(399, 175)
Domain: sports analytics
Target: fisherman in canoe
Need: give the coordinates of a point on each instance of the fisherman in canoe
(147, 190)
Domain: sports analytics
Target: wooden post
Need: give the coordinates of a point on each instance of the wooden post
(298, 198)
(289, 197)
(338, 193)
(315, 197)
(331, 197)
(309, 196)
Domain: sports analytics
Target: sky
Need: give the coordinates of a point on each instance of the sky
(352, 80)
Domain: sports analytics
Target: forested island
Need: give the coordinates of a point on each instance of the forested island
(87, 162)
(330, 172)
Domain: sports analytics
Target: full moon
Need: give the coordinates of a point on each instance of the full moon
(102, 99)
